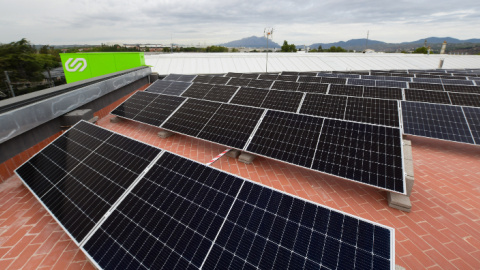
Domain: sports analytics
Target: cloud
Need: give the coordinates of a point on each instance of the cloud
(215, 21)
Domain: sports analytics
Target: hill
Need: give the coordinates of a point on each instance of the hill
(251, 42)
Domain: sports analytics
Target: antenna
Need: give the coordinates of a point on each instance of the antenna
(268, 33)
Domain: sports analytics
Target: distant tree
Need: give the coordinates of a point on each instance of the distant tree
(216, 49)
(288, 47)
(335, 49)
(313, 50)
(420, 50)
(320, 49)
(235, 50)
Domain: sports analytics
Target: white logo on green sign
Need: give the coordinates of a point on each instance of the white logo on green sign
(78, 63)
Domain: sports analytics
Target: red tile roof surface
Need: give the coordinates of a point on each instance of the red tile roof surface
(441, 232)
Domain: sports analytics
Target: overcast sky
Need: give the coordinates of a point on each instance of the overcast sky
(209, 22)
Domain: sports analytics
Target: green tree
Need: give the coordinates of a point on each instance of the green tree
(320, 49)
(216, 49)
(336, 49)
(288, 47)
(423, 50)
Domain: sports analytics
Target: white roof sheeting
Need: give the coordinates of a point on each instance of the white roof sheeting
(214, 63)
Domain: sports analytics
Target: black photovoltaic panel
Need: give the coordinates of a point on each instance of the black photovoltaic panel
(473, 120)
(264, 84)
(373, 77)
(346, 90)
(239, 82)
(327, 75)
(197, 90)
(361, 152)
(135, 104)
(168, 87)
(334, 80)
(219, 80)
(353, 76)
(159, 86)
(231, 125)
(283, 85)
(169, 220)
(290, 73)
(361, 82)
(158, 110)
(427, 96)
(222, 93)
(310, 79)
(268, 77)
(324, 105)
(391, 84)
(82, 174)
(191, 117)
(456, 82)
(383, 92)
(202, 79)
(427, 80)
(287, 78)
(313, 88)
(282, 100)
(249, 76)
(465, 99)
(308, 74)
(461, 78)
(435, 121)
(249, 96)
(288, 137)
(462, 89)
(234, 75)
(270, 230)
(180, 78)
(405, 75)
(172, 77)
(374, 111)
(426, 86)
(199, 217)
(400, 79)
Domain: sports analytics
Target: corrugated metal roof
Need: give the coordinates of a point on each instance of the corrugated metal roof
(212, 63)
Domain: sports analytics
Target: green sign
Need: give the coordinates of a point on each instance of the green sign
(81, 66)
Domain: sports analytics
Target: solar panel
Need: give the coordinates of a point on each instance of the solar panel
(222, 93)
(352, 76)
(427, 80)
(202, 79)
(287, 78)
(473, 119)
(327, 75)
(264, 84)
(159, 86)
(307, 74)
(158, 110)
(197, 90)
(268, 77)
(234, 75)
(186, 78)
(231, 125)
(241, 225)
(435, 121)
(395, 78)
(334, 80)
(288, 137)
(374, 111)
(427, 96)
(383, 92)
(249, 76)
(391, 84)
(310, 79)
(364, 153)
(346, 90)
(472, 100)
(426, 86)
(81, 175)
(282, 100)
(172, 77)
(239, 82)
(219, 80)
(191, 117)
(168, 87)
(134, 105)
(462, 88)
(456, 82)
(361, 82)
(313, 88)
(287, 86)
(373, 77)
(324, 105)
(289, 73)
(249, 96)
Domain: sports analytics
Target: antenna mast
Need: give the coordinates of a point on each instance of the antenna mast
(268, 33)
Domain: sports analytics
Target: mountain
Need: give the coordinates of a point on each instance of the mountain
(352, 44)
(251, 42)
(433, 40)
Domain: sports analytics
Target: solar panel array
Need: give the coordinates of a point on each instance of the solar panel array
(130, 205)
(168, 87)
(238, 126)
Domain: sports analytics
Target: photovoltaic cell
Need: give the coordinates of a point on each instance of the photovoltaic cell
(473, 119)
(172, 77)
(426, 86)
(268, 77)
(435, 121)
(456, 82)
(462, 89)
(287, 86)
(383, 92)
(289, 73)
(353, 76)
(159, 86)
(334, 80)
(134, 105)
(313, 87)
(250, 76)
(234, 75)
(361, 82)
(197, 90)
(231, 125)
(250, 97)
(374, 111)
(239, 82)
(465, 99)
(391, 84)
(324, 105)
(264, 84)
(221, 93)
(170, 88)
(158, 110)
(282, 100)
(360, 152)
(307, 74)
(427, 80)
(287, 78)
(81, 174)
(202, 79)
(287, 136)
(191, 117)
(427, 96)
(310, 79)
(219, 80)
(346, 90)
